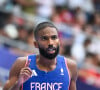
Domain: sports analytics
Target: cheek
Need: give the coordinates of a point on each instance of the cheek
(42, 44)
(57, 42)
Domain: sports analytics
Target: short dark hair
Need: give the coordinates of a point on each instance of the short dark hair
(41, 26)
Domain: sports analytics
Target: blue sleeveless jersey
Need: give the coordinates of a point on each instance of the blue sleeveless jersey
(58, 79)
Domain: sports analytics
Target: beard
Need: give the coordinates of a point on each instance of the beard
(44, 52)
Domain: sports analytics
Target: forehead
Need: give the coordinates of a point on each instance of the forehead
(48, 31)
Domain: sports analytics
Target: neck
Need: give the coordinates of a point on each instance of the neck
(46, 62)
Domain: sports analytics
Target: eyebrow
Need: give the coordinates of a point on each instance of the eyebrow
(47, 35)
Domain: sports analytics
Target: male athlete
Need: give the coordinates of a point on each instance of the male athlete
(47, 71)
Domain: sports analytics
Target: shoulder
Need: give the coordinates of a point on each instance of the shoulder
(71, 63)
(17, 66)
(14, 72)
(72, 66)
(20, 61)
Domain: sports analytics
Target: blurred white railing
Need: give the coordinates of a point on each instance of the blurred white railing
(17, 44)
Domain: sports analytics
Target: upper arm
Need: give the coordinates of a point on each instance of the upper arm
(73, 74)
(14, 73)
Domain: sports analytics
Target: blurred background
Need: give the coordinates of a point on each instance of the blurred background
(78, 22)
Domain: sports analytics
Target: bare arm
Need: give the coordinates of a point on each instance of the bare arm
(73, 74)
(12, 82)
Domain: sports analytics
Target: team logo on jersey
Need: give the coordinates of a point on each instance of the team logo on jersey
(62, 71)
(34, 73)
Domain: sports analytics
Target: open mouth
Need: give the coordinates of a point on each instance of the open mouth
(51, 50)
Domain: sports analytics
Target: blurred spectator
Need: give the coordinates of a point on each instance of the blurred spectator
(22, 34)
(97, 4)
(79, 51)
(96, 25)
(3, 17)
(86, 5)
(18, 6)
(10, 28)
(60, 3)
(2, 3)
(1, 30)
(88, 30)
(80, 21)
(65, 15)
(90, 71)
(44, 8)
(30, 37)
(11, 31)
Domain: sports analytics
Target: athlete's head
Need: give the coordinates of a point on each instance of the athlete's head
(47, 40)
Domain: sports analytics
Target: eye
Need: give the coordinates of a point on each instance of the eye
(44, 38)
(54, 37)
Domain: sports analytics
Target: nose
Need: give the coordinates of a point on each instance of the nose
(50, 42)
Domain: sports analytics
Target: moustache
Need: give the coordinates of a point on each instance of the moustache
(51, 48)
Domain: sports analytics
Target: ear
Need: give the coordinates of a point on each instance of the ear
(35, 44)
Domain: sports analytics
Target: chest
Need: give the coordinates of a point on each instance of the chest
(57, 79)
(54, 80)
